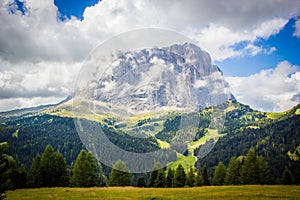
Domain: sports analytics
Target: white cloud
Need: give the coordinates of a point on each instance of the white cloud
(35, 45)
(220, 41)
(17, 103)
(297, 28)
(34, 84)
(270, 27)
(269, 90)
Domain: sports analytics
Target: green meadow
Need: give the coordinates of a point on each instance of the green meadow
(209, 192)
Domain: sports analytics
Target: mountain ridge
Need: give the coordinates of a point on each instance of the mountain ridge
(157, 120)
(56, 130)
(172, 78)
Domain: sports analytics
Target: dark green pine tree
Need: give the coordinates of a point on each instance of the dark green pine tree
(199, 178)
(19, 176)
(153, 175)
(169, 178)
(297, 174)
(205, 176)
(7, 164)
(98, 178)
(34, 178)
(61, 171)
(120, 175)
(179, 177)
(86, 171)
(264, 171)
(287, 177)
(160, 181)
(190, 178)
(233, 172)
(250, 171)
(47, 168)
(141, 182)
(54, 170)
(219, 175)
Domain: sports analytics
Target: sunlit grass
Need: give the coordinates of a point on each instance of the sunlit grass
(163, 144)
(274, 115)
(216, 192)
(211, 134)
(185, 161)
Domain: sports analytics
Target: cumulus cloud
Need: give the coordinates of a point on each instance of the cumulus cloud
(34, 84)
(39, 35)
(35, 44)
(270, 90)
(43, 78)
(16, 103)
(297, 28)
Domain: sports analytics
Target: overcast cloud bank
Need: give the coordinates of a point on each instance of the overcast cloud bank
(41, 55)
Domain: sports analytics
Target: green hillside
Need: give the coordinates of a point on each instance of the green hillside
(273, 135)
(277, 140)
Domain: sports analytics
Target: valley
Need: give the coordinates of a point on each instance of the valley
(166, 107)
(30, 133)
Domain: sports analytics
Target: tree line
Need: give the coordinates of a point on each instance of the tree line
(50, 170)
(277, 141)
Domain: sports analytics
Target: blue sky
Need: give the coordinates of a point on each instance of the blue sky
(287, 48)
(68, 8)
(256, 47)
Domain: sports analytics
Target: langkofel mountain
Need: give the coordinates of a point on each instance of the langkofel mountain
(172, 78)
(154, 89)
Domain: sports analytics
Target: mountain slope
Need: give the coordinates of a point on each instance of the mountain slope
(169, 98)
(177, 77)
(277, 140)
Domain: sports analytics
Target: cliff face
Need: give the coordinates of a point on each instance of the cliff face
(175, 77)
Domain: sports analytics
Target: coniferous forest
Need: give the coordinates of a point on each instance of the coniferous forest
(51, 170)
(45, 150)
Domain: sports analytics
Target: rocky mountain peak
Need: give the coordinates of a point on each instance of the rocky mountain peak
(176, 77)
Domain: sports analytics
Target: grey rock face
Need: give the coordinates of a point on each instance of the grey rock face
(176, 77)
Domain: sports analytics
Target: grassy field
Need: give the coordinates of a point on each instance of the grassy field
(185, 161)
(220, 192)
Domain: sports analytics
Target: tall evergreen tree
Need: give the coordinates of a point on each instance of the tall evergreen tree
(86, 171)
(120, 175)
(233, 172)
(54, 170)
(153, 175)
(160, 181)
(34, 178)
(179, 177)
(297, 174)
(287, 177)
(219, 175)
(198, 179)
(7, 163)
(19, 176)
(98, 178)
(250, 172)
(264, 171)
(169, 178)
(47, 167)
(190, 178)
(205, 176)
(141, 182)
(61, 171)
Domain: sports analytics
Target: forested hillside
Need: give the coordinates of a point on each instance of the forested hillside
(276, 137)
(277, 140)
(30, 135)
